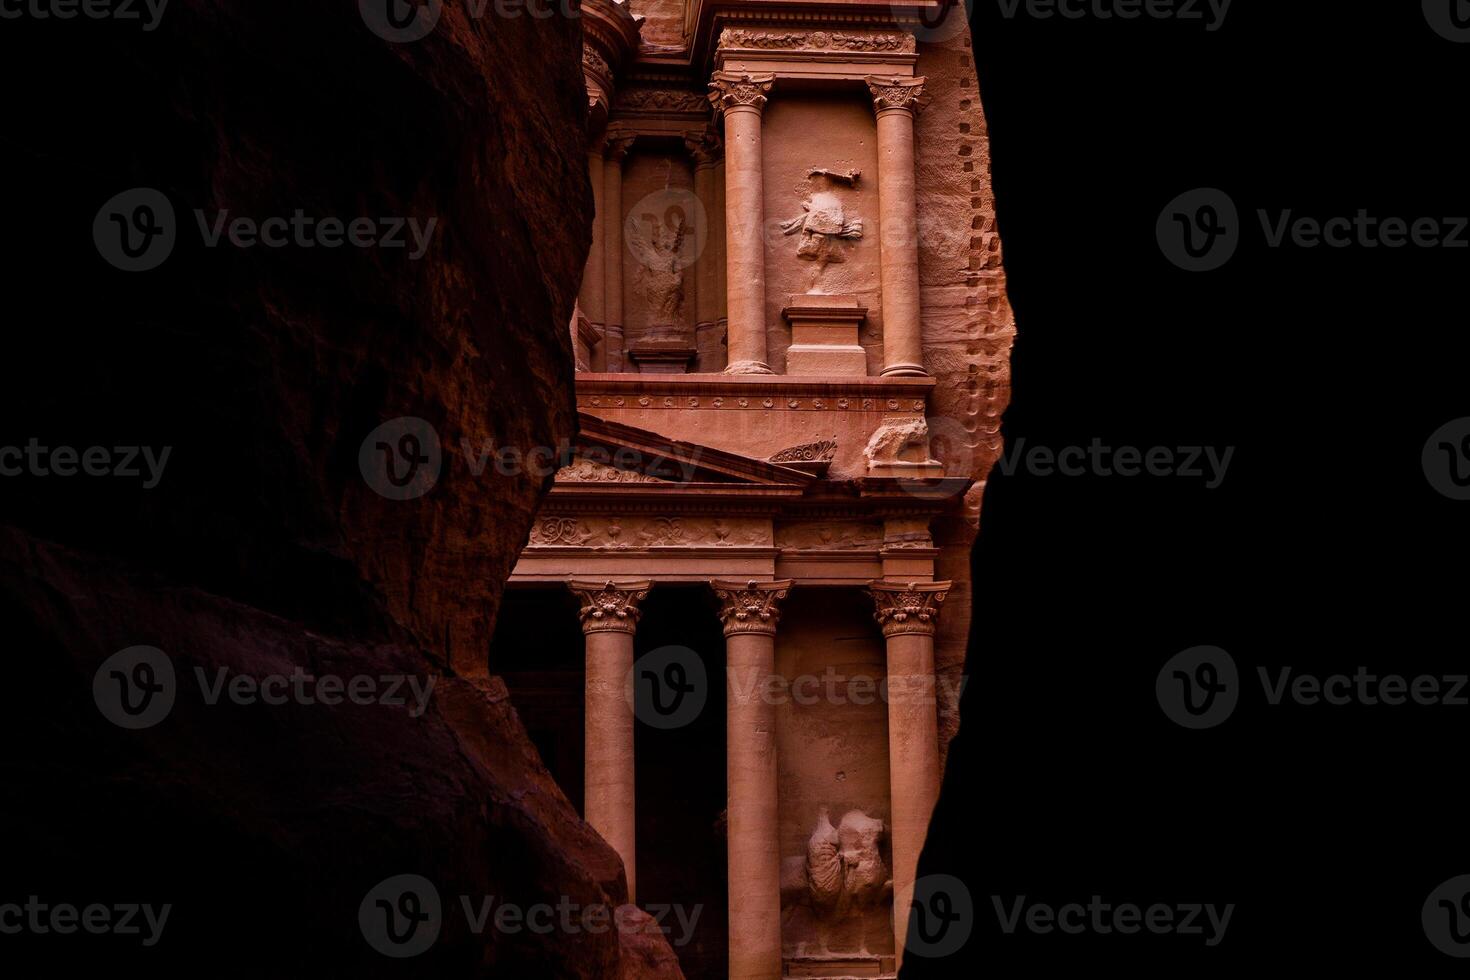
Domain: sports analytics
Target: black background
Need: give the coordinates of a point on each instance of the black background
(1325, 548)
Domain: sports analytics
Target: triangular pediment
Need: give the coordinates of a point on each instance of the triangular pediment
(607, 454)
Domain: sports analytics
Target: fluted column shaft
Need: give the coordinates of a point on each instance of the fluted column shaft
(609, 614)
(749, 614)
(908, 615)
(741, 98)
(896, 100)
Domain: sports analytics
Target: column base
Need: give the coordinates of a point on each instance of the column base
(904, 371)
(749, 367)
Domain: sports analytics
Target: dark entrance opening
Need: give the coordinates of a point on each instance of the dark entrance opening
(681, 789)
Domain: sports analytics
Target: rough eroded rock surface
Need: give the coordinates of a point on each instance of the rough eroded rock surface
(262, 549)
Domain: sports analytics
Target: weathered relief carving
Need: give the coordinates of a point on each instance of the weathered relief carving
(668, 100)
(662, 238)
(829, 537)
(620, 533)
(907, 532)
(900, 439)
(590, 471)
(825, 223)
(740, 37)
(843, 870)
(811, 452)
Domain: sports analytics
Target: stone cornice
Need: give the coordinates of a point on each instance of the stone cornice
(609, 606)
(750, 607)
(911, 608)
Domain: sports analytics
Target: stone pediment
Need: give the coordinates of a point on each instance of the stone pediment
(610, 455)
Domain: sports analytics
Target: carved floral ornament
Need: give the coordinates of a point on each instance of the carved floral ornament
(750, 607)
(609, 605)
(912, 608)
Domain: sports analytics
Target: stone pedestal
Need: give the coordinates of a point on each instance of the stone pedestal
(662, 357)
(824, 335)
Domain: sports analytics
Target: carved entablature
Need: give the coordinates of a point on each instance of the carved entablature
(775, 38)
(829, 536)
(750, 607)
(609, 44)
(609, 606)
(644, 99)
(912, 608)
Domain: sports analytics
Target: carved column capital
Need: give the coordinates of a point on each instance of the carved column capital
(609, 606)
(912, 608)
(704, 147)
(618, 145)
(897, 92)
(732, 90)
(750, 607)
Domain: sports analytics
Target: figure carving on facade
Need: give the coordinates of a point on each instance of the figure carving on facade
(660, 244)
(899, 440)
(843, 870)
(824, 222)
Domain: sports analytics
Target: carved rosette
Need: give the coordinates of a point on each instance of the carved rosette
(912, 608)
(609, 606)
(897, 92)
(731, 90)
(750, 607)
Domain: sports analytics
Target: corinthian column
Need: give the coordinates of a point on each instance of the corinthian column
(908, 615)
(612, 225)
(896, 100)
(741, 97)
(748, 612)
(609, 616)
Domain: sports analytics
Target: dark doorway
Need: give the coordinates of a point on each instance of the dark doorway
(681, 790)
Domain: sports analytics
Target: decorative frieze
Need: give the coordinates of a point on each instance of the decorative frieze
(619, 533)
(789, 40)
(609, 606)
(912, 608)
(829, 536)
(662, 100)
(591, 471)
(750, 607)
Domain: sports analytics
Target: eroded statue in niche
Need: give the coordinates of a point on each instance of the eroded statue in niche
(661, 236)
(824, 224)
(843, 870)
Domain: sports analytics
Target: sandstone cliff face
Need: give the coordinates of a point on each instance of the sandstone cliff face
(262, 548)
